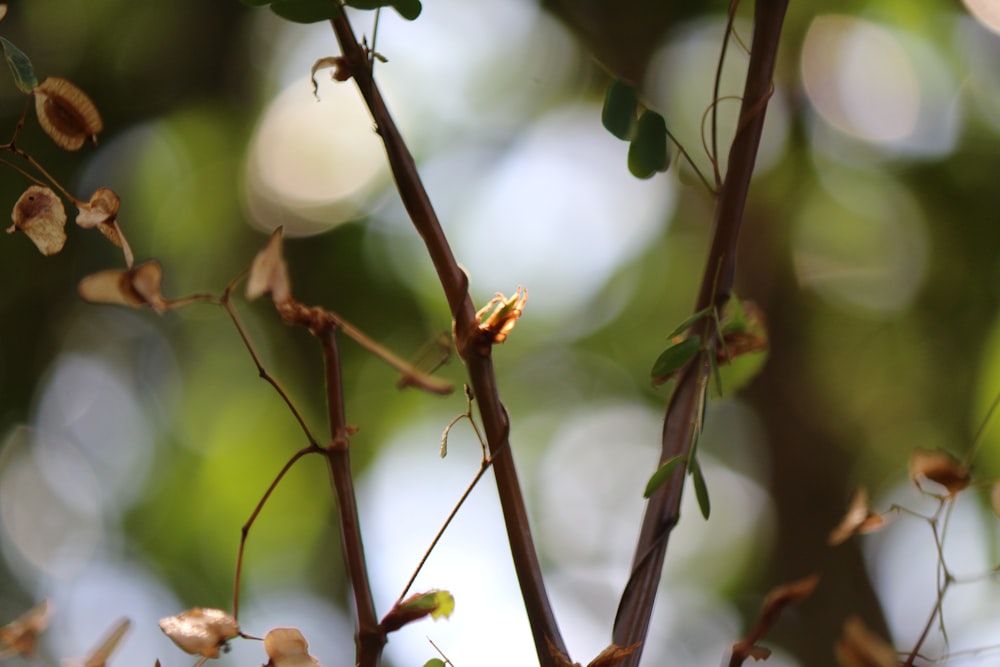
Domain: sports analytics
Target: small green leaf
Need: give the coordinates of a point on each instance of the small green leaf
(661, 475)
(619, 112)
(435, 662)
(648, 154)
(444, 605)
(673, 359)
(686, 324)
(20, 66)
(701, 490)
(734, 319)
(306, 11)
(408, 9)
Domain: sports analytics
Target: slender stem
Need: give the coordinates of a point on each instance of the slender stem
(477, 355)
(370, 638)
(662, 510)
(245, 530)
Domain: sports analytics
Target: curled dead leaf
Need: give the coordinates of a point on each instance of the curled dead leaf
(613, 655)
(286, 647)
(941, 468)
(860, 647)
(201, 631)
(101, 213)
(269, 272)
(497, 318)
(39, 213)
(859, 519)
(66, 114)
(139, 286)
(20, 636)
(99, 656)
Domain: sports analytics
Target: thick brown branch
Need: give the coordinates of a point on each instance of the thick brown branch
(477, 356)
(683, 412)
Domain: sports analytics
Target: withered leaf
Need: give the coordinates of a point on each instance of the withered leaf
(20, 636)
(286, 647)
(612, 655)
(269, 272)
(860, 647)
(995, 498)
(101, 212)
(66, 114)
(99, 656)
(39, 213)
(939, 467)
(135, 287)
(200, 631)
(859, 519)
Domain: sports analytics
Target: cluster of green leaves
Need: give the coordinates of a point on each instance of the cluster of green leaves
(644, 129)
(313, 11)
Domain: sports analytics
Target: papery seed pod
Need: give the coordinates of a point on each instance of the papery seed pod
(66, 113)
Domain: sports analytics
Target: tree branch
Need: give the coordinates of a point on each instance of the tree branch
(476, 354)
(682, 421)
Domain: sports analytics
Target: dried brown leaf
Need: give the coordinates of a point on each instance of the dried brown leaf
(3, 12)
(995, 498)
(101, 212)
(498, 317)
(135, 287)
(99, 656)
(269, 272)
(860, 647)
(21, 635)
(286, 647)
(200, 631)
(39, 213)
(66, 113)
(612, 655)
(860, 519)
(941, 468)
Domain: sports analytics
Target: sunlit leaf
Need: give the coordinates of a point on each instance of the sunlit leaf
(435, 603)
(674, 358)
(860, 647)
(200, 631)
(498, 317)
(701, 490)
(19, 64)
(648, 153)
(939, 467)
(20, 636)
(858, 520)
(39, 213)
(286, 647)
(66, 113)
(269, 272)
(662, 474)
(306, 11)
(620, 108)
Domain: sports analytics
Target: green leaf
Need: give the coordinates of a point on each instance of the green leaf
(673, 359)
(701, 490)
(408, 9)
(734, 319)
(20, 66)
(647, 154)
(619, 112)
(683, 326)
(435, 662)
(306, 11)
(661, 475)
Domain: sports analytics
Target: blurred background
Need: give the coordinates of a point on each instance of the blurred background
(134, 447)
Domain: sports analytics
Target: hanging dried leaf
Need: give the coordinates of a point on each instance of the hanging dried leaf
(135, 287)
(66, 113)
(995, 498)
(286, 647)
(99, 656)
(201, 631)
(3, 12)
(860, 647)
(39, 213)
(860, 519)
(101, 213)
(20, 636)
(269, 272)
(939, 467)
